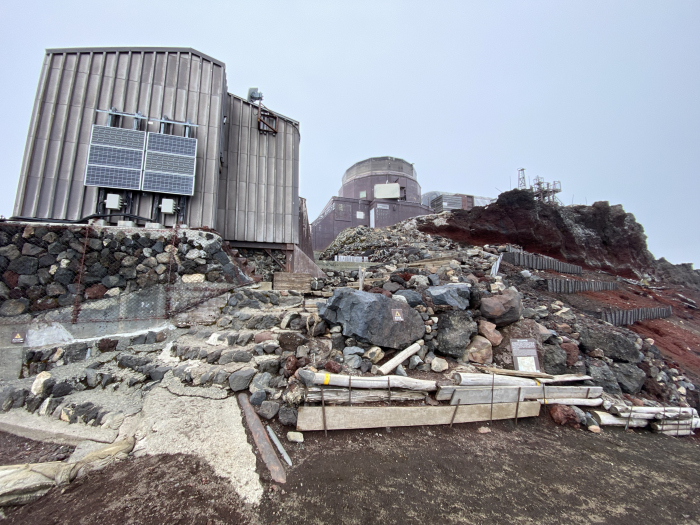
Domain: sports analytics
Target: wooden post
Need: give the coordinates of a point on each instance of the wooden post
(517, 405)
(350, 389)
(323, 409)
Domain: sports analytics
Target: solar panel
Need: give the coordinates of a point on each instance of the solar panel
(170, 164)
(115, 158)
(168, 183)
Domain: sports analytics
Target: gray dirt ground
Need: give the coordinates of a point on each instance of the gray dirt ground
(536, 472)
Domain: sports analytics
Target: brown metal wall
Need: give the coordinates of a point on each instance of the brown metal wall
(177, 82)
(344, 215)
(259, 183)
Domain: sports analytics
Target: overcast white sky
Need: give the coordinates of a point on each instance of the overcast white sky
(603, 96)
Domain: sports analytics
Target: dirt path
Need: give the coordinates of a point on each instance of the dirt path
(536, 472)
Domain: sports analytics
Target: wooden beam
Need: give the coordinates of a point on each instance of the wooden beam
(515, 373)
(475, 396)
(335, 396)
(375, 382)
(572, 401)
(682, 424)
(292, 281)
(469, 379)
(605, 419)
(338, 418)
(565, 378)
(444, 393)
(662, 412)
(399, 358)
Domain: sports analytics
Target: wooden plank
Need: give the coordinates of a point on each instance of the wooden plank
(444, 393)
(662, 412)
(408, 383)
(292, 281)
(605, 419)
(565, 378)
(572, 401)
(475, 396)
(262, 441)
(471, 379)
(515, 373)
(682, 424)
(342, 395)
(339, 418)
(399, 358)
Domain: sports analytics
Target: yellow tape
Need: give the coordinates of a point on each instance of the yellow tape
(538, 383)
(326, 379)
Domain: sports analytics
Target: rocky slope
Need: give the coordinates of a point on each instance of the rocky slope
(600, 236)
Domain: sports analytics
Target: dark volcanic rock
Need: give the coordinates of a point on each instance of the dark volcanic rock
(368, 317)
(455, 295)
(614, 344)
(414, 298)
(600, 236)
(630, 377)
(456, 330)
(602, 375)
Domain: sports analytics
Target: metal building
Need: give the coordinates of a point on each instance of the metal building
(153, 135)
(375, 192)
(441, 201)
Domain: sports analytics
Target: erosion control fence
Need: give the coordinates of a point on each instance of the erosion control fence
(627, 317)
(540, 262)
(568, 286)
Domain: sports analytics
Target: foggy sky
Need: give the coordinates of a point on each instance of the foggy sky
(602, 96)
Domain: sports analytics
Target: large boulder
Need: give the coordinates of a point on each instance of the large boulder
(456, 330)
(554, 360)
(615, 344)
(454, 295)
(602, 375)
(502, 309)
(630, 377)
(479, 351)
(368, 317)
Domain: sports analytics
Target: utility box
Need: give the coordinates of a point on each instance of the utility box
(167, 206)
(113, 201)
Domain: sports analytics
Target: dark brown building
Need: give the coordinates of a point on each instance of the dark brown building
(376, 192)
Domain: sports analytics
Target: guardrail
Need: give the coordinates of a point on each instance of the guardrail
(567, 286)
(627, 317)
(540, 262)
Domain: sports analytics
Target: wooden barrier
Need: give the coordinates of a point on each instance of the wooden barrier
(627, 317)
(567, 286)
(540, 262)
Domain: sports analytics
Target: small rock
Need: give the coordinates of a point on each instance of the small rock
(374, 354)
(488, 330)
(353, 361)
(241, 379)
(439, 365)
(288, 416)
(414, 362)
(400, 371)
(484, 430)
(479, 351)
(269, 409)
(257, 398)
(333, 366)
(295, 437)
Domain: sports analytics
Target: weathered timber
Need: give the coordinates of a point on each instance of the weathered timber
(662, 412)
(677, 433)
(565, 378)
(375, 382)
(515, 373)
(532, 392)
(572, 401)
(262, 441)
(570, 286)
(292, 281)
(605, 419)
(475, 396)
(470, 379)
(677, 424)
(339, 418)
(399, 358)
(335, 396)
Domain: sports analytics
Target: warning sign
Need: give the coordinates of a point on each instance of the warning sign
(525, 355)
(397, 315)
(18, 338)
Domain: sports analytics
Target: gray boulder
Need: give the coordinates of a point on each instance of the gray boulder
(456, 330)
(602, 376)
(368, 317)
(268, 409)
(630, 377)
(288, 416)
(502, 309)
(454, 295)
(614, 344)
(241, 379)
(414, 298)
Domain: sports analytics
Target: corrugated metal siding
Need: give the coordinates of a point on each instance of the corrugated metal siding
(260, 180)
(179, 83)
